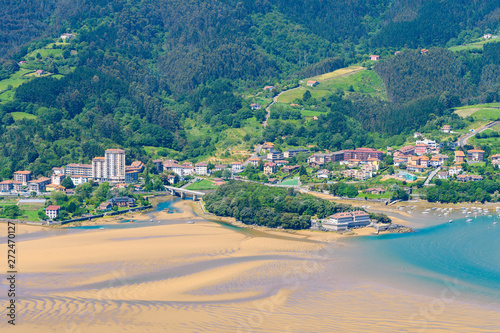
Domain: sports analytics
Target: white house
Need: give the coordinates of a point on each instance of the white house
(201, 169)
(52, 211)
(78, 179)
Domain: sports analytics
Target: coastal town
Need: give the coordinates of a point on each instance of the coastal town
(366, 173)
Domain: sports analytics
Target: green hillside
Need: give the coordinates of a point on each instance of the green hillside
(180, 76)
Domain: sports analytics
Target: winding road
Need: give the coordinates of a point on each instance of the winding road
(462, 141)
(275, 100)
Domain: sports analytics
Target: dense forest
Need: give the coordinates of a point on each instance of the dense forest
(253, 203)
(137, 71)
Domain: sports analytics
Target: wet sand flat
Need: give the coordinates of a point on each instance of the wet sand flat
(204, 277)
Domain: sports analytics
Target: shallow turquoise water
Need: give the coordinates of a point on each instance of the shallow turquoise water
(460, 255)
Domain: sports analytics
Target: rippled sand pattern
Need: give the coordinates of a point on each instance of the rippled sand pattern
(205, 278)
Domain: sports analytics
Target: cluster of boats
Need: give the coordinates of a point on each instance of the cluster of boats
(467, 211)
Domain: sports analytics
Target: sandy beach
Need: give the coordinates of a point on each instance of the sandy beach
(206, 277)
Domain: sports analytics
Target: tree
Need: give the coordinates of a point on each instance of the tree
(12, 212)
(307, 96)
(84, 191)
(11, 66)
(67, 183)
(351, 191)
(58, 197)
(226, 174)
(302, 171)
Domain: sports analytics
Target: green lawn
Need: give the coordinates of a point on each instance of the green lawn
(361, 80)
(15, 79)
(46, 52)
(31, 215)
(309, 113)
(480, 112)
(7, 96)
(201, 185)
(290, 182)
(289, 96)
(22, 115)
(476, 45)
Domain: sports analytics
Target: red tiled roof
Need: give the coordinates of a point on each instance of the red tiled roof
(24, 172)
(53, 207)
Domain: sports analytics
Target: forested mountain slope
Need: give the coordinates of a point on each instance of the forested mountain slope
(137, 71)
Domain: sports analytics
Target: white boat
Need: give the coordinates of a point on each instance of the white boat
(450, 221)
(101, 228)
(469, 220)
(190, 222)
(425, 212)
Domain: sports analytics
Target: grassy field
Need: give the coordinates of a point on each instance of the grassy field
(355, 77)
(7, 96)
(337, 73)
(477, 45)
(15, 79)
(309, 113)
(480, 111)
(289, 96)
(46, 51)
(290, 182)
(202, 185)
(22, 115)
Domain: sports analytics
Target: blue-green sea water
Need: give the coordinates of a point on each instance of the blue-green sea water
(460, 255)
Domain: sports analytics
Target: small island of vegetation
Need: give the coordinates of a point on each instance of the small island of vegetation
(253, 203)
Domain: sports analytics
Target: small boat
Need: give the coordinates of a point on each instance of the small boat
(425, 212)
(469, 220)
(450, 221)
(495, 222)
(190, 222)
(101, 228)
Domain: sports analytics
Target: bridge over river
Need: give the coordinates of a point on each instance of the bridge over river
(182, 192)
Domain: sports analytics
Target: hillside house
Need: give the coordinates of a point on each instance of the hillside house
(9, 185)
(446, 129)
(487, 36)
(269, 168)
(312, 83)
(267, 146)
(274, 155)
(422, 51)
(105, 207)
(22, 176)
(459, 156)
(443, 175)
(236, 167)
(475, 155)
(495, 160)
(66, 37)
(78, 180)
(294, 152)
(39, 72)
(201, 169)
(374, 57)
(268, 88)
(322, 174)
(38, 185)
(290, 168)
(255, 106)
(52, 211)
(220, 167)
(254, 161)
